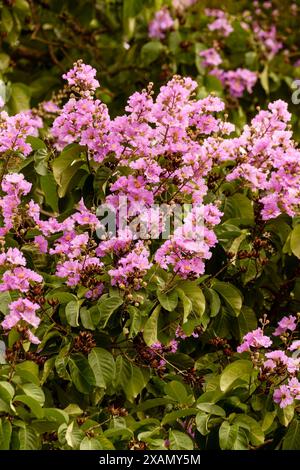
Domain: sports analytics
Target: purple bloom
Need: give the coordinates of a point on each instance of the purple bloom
(211, 57)
(254, 339)
(21, 309)
(161, 23)
(282, 396)
(287, 323)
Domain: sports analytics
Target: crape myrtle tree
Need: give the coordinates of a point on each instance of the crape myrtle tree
(121, 328)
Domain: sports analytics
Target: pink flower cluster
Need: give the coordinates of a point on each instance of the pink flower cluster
(161, 23)
(81, 78)
(221, 23)
(237, 81)
(18, 278)
(269, 161)
(15, 129)
(268, 40)
(277, 365)
(211, 58)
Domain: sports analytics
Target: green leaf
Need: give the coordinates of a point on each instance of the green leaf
(2, 353)
(238, 210)
(86, 318)
(5, 434)
(295, 241)
(49, 189)
(152, 403)
(214, 302)
(131, 8)
(6, 19)
(241, 369)
(151, 51)
(56, 415)
(211, 409)
(268, 420)
(231, 295)
(72, 312)
(90, 443)
(60, 296)
(202, 420)
(28, 439)
(228, 435)
(186, 302)
(168, 301)
(65, 167)
(264, 79)
(5, 300)
(137, 382)
(20, 98)
(130, 378)
(74, 435)
(28, 371)
(33, 404)
(81, 373)
(285, 415)
(247, 321)
(6, 391)
(150, 328)
(256, 434)
(34, 391)
(107, 306)
(40, 162)
(196, 296)
(103, 365)
(291, 440)
(36, 143)
(180, 441)
(174, 415)
(176, 391)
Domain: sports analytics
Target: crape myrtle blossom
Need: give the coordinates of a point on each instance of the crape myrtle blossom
(254, 339)
(237, 81)
(221, 23)
(268, 40)
(15, 186)
(277, 367)
(23, 310)
(285, 324)
(161, 23)
(211, 58)
(270, 161)
(14, 131)
(81, 78)
(169, 141)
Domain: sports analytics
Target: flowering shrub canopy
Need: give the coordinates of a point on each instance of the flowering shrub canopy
(150, 282)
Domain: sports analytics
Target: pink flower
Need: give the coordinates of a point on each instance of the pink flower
(286, 323)
(294, 386)
(32, 338)
(82, 76)
(211, 58)
(14, 184)
(282, 396)
(21, 309)
(50, 107)
(19, 278)
(254, 339)
(161, 23)
(41, 243)
(221, 24)
(294, 346)
(278, 356)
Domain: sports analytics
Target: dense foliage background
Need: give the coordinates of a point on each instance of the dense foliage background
(147, 358)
